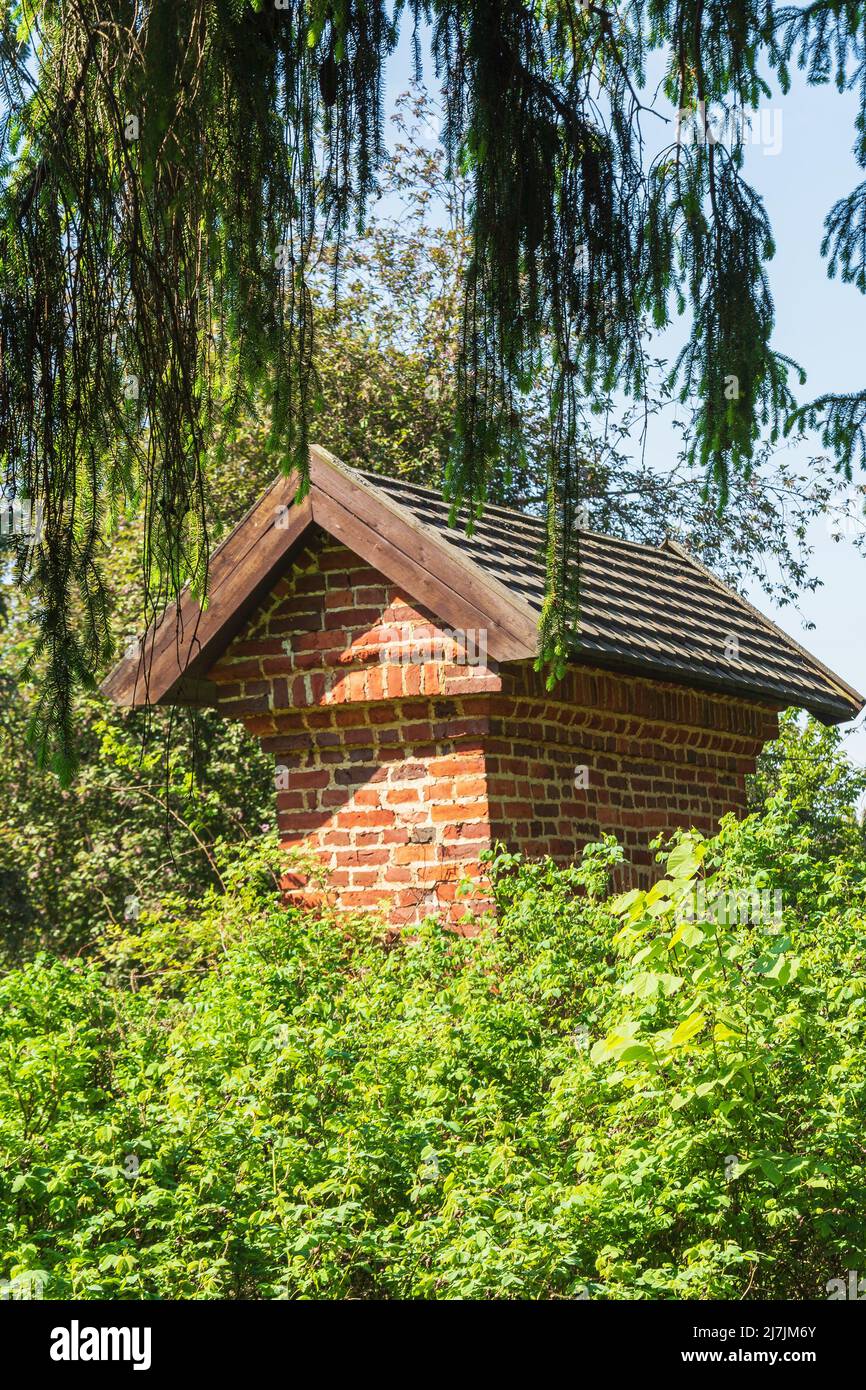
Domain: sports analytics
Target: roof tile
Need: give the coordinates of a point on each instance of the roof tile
(650, 610)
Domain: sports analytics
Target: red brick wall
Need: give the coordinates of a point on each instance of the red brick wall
(611, 754)
(382, 759)
(397, 774)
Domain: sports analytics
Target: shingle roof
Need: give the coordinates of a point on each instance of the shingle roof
(652, 611)
(646, 609)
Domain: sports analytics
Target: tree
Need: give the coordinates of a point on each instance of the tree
(172, 168)
(388, 375)
(806, 770)
(158, 791)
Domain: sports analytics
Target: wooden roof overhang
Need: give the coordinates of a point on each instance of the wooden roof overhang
(651, 611)
(174, 656)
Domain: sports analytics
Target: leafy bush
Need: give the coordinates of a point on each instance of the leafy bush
(140, 820)
(615, 1099)
(807, 770)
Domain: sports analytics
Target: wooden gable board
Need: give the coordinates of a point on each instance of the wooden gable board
(180, 648)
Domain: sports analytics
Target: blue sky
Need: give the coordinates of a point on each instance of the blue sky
(820, 323)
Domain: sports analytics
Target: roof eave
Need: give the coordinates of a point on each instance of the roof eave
(847, 699)
(828, 711)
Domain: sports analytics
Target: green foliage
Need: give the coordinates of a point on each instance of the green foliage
(142, 819)
(641, 1097)
(389, 385)
(172, 174)
(806, 770)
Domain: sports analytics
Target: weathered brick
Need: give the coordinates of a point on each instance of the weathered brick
(402, 770)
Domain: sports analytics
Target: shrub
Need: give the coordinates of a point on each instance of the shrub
(589, 1099)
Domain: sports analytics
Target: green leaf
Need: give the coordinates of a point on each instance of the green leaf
(685, 859)
(688, 933)
(619, 906)
(687, 1029)
(643, 986)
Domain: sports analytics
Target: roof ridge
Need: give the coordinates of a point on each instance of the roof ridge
(520, 608)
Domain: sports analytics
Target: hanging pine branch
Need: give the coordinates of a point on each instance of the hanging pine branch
(170, 170)
(827, 40)
(158, 213)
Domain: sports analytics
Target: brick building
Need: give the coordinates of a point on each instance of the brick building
(386, 661)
